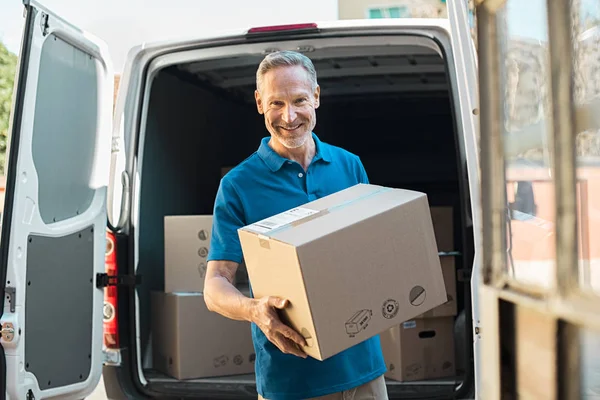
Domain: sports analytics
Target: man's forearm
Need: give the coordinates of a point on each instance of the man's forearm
(225, 299)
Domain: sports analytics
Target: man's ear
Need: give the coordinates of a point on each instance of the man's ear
(317, 96)
(259, 103)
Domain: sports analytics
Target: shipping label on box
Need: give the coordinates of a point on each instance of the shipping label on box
(449, 308)
(189, 341)
(352, 264)
(420, 349)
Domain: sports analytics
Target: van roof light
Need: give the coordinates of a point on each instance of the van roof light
(280, 28)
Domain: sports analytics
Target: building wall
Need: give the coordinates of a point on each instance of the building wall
(358, 9)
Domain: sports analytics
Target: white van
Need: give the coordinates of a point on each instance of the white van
(399, 93)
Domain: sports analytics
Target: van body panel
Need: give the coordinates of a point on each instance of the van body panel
(54, 224)
(467, 83)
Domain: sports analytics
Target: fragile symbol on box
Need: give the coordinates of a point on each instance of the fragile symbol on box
(358, 322)
(413, 369)
(202, 269)
(220, 361)
(202, 251)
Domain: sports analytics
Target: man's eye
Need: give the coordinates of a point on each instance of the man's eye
(300, 101)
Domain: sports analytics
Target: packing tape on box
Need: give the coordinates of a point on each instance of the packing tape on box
(265, 237)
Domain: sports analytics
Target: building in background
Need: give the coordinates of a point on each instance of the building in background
(371, 9)
(375, 9)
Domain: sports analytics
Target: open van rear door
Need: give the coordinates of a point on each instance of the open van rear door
(465, 60)
(54, 221)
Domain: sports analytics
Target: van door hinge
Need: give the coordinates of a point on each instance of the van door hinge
(104, 280)
(44, 24)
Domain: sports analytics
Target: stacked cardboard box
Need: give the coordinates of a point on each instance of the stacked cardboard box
(423, 348)
(187, 242)
(189, 341)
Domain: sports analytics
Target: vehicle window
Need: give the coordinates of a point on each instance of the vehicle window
(63, 130)
(589, 348)
(586, 45)
(525, 89)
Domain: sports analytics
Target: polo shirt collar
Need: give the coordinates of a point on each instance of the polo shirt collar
(274, 161)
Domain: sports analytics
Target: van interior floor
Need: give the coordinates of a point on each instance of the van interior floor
(428, 389)
(401, 124)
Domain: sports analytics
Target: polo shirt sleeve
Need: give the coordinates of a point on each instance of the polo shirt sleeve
(362, 173)
(228, 217)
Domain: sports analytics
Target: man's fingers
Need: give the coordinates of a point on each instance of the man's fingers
(278, 342)
(277, 302)
(292, 335)
(287, 346)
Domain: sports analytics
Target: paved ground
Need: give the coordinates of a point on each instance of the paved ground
(99, 393)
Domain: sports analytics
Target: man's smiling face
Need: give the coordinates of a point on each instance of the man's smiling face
(288, 99)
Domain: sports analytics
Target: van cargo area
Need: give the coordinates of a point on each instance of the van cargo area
(388, 99)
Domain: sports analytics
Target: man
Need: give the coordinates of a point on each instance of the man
(290, 168)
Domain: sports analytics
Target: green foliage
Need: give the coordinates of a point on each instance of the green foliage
(8, 66)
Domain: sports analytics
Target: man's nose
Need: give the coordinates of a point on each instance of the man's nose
(289, 114)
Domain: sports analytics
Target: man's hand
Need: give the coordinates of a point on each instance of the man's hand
(264, 315)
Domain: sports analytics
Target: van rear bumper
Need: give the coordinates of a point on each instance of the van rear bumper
(118, 385)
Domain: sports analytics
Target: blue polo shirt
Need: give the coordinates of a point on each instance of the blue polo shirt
(261, 186)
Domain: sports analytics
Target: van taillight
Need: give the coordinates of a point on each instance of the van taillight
(281, 28)
(111, 332)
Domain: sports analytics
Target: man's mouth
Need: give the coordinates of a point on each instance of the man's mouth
(291, 128)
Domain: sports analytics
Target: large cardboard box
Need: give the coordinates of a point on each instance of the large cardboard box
(187, 243)
(420, 349)
(449, 308)
(189, 341)
(443, 225)
(352, 264)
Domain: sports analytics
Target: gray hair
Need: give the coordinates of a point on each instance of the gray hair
(285, 59)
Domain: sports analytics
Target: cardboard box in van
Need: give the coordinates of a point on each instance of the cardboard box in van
(187, 242)
(449, 308)
(189, 341)
(419, 349)
(352, 264)
(443, 226)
